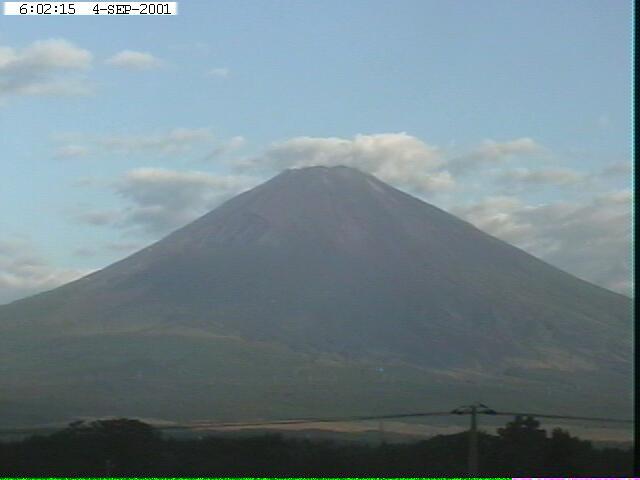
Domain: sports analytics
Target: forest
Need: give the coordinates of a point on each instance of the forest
(127, 447)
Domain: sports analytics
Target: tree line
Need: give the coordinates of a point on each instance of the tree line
(126, 447)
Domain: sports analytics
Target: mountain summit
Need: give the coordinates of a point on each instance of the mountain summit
(326, 271)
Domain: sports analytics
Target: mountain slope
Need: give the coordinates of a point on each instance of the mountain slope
(332, 265)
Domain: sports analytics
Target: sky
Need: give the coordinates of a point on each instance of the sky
(513, 115)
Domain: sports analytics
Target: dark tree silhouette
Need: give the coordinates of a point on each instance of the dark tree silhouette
(523, 445)
(522, 430)
(124, 447)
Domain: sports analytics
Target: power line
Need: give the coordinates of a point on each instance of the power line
(567, 417)
(393, 416)
(301, 421)
(213, 424)
(319, 420)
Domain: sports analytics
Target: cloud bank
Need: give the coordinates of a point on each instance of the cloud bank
(591, 240)
(397, 158)
(47, 67)
(160, 200)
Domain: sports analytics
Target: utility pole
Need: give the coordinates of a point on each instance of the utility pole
(473, 443)
(473, 410)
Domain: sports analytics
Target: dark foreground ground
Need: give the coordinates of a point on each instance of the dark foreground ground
(131, 448)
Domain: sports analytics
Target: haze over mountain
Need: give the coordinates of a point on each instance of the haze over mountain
(321, 291)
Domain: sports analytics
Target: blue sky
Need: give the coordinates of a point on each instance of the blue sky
(514, 115)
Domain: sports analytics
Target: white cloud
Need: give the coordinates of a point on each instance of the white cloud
(161, 200)
(24, 272)
(218, 72)
(198, 145)
(491, 152)
(397, 158)
(543, 176)
(71, 151)
(132, 60)
(591, 240)
(55, 53)
(175, 141)
(46, 67)
(494, 215)
(499, 150)
(224, 148)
